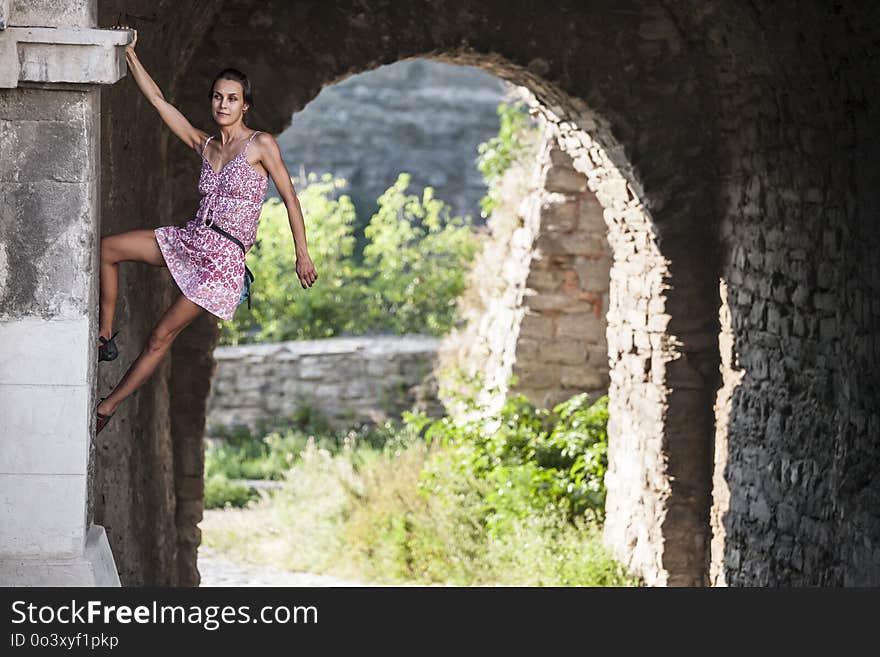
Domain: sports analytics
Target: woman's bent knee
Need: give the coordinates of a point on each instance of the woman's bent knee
(160, 340)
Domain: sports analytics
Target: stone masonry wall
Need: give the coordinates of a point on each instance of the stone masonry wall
(349, 380)
(561, 348)
(797, 484)
(538, 291)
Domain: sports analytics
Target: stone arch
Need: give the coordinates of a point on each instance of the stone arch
(629, 130)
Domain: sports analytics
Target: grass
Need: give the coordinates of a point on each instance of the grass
(359, 513)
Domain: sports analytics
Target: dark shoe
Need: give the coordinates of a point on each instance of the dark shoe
(108, 349)
(102, 420)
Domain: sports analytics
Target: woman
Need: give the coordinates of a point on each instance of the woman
(205, 257)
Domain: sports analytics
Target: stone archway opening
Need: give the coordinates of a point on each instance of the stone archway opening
(593, 317)
(630, 147)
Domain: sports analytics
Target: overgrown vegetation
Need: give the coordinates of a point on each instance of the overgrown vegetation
(515, 135)
(410, 274)
(514, 497)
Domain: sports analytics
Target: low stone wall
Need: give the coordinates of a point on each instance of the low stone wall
(349, 380)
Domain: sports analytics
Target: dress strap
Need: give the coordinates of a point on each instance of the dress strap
(250, 140)
(205, 147)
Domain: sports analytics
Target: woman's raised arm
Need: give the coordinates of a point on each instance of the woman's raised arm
(180, 126)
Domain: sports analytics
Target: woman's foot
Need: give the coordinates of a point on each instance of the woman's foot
(103, 413)
(107, 349)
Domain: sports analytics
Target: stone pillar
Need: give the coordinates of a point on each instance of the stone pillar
(51, 59)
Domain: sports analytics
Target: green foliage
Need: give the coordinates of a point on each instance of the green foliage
(427, 506)
(537, 461)
(495, 156)
(270, 451)
(417, 256)
(220, 493)
(412, 272)
(282, 309)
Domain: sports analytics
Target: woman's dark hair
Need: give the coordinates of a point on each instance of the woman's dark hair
(238, 76)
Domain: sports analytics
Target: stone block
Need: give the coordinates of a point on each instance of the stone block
(824, 301)
(563, 351)
(543, 280)
(44, 150)
(316, 368)
(52, 268)
(591, 216)
(582, 376)
(558, 302)
(537, 376)
(560, 157)
(584, 326)
(550, 244)
(561, 216)
(42, 514)
(594, 273)
(565, 180)
(57, 352)
(27, 104)
(534, 325)
(527, 349)
(52, 13)
(44, 429)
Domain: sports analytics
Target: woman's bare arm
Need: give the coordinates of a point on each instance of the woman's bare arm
(270, 157)
(180, 126)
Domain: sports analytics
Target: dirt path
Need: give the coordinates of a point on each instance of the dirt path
(218, 570)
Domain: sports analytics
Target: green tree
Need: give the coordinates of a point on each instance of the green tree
(413, 268)
(417, 256)
(282, 309)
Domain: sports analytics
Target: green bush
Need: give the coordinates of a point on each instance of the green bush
(412, 272)
(282, 309)
(535, 461)
(511, 499)
(416, 261)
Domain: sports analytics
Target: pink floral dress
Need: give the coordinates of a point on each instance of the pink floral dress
(208, 267)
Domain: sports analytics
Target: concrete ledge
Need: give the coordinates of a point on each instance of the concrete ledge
(62, 54)
(95, 568)
(99, 555)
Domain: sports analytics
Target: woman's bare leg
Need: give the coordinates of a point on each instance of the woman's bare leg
(178, 316)
(132, 246)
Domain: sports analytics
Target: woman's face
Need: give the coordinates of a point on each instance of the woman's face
(227, 102)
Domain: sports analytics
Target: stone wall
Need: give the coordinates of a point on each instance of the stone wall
(561, 348)
(348, 380)
(798, 439)
(538, 290)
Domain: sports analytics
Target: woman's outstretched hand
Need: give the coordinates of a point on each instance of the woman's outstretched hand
(130, 46)
(306, 271)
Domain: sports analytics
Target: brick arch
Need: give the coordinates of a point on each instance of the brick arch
(629, 109)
